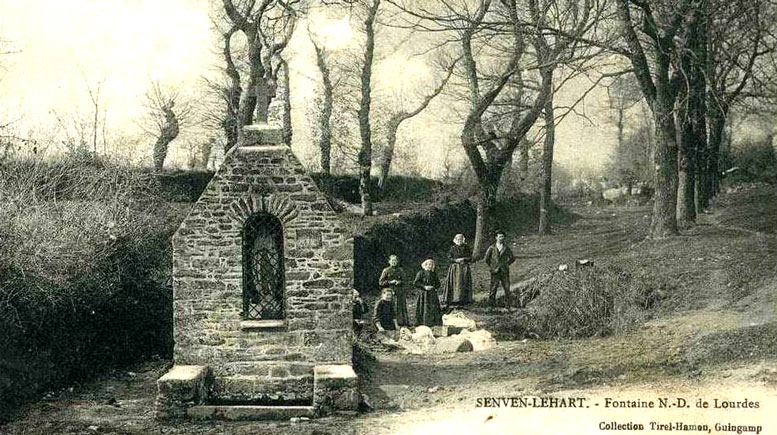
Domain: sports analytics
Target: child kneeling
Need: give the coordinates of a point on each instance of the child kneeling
(384, 317)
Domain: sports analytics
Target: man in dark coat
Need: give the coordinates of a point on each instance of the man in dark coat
(499, 257)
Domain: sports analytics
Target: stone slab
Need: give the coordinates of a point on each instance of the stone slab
(180, 388)
(334, 371)
(262, 134)
(182, 382)
(248, 412)
(263, 389)
(335, 388)
(452, 345)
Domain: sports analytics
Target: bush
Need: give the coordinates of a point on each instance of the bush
(756, 162)
(398, 188)
(83, 282)
(588, 302)
(412, 236)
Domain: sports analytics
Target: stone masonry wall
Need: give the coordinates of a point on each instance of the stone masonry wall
(207, 272)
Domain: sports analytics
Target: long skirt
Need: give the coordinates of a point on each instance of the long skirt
(400, 306)
(427, 308)
(458, 285)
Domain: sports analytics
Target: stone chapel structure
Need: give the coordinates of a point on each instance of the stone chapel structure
(262, 276)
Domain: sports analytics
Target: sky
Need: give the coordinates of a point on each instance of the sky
(61, 46)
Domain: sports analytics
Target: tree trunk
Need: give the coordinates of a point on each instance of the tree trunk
(288, 132)
(160, 152)
(523, 161)
(167, 134)
(365, 153)
(686, 209)
(664, 219)
(388, 153)
(205, 152)
(694, 131)
(263, 97)
(325, 116)
(717, 121)
(248, 100)
(686, 172)
(484, 220)
(620, 125)
(547, 166)
(231, 123)
(325, 137)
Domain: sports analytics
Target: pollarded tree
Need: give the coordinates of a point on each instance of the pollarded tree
(163, 119)
(324, 117)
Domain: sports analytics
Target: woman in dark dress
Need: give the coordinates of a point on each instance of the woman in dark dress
(427, 309)
(458, 282)
(392, 278)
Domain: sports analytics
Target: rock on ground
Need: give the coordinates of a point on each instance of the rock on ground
(423, 335)
(458, 319)
(480, 339)
(452, 344)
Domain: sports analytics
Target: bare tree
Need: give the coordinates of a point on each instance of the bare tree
(690, 113)
(365, 131)
(623, 93)
(267, 27)
(397, 118)
(661, 24)
(733, 60)
(518, 41)
(94, 97)
(325, 114)
(163, 119)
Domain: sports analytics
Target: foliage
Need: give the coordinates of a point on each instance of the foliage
(399, 188)
(755, 162)
(630, 163)
(84, 265)
(588, 302)
(412, 236)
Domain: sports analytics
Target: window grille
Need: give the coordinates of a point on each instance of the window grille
(263, 272)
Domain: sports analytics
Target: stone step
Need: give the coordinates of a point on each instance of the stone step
(263, 389)
(248, 412)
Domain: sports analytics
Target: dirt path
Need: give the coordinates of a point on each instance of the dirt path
(713, 336)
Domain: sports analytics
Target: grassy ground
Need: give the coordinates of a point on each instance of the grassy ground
(712, 336)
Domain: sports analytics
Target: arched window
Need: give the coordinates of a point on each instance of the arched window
(263, 272)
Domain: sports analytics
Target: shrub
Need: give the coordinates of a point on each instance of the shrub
(412, 236)
(398, 188)
(84, 265)
(588, 302)
(756, 162)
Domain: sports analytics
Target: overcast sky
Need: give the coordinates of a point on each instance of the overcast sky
(63, 44)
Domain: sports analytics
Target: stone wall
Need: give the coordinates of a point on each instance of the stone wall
(249, 363)
(413, 236)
